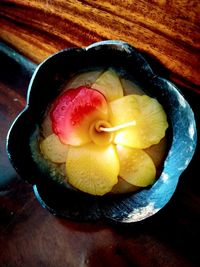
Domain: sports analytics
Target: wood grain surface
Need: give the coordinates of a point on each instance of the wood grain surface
(169, 31)
(30, 236)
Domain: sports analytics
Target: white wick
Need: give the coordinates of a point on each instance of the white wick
(118, 127)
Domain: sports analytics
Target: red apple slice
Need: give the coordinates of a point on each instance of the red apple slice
(74, 111)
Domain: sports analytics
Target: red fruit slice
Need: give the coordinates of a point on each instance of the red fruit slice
(74, 111)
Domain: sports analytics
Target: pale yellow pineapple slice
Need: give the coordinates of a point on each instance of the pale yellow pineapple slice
(83, 79)
(158, 152)
(53, 149)
(131, 88)
(109, 85)
(152, 122)
(150, 118)
(123, 187)
(92, 169)
(136, 167)
(121, 111)
(46, 127)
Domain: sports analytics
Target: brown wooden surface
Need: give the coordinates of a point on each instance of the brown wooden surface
(167, 30)
(30, 235)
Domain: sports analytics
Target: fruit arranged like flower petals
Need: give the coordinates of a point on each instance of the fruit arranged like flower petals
(53, 149)
(106, 133)
(136, 167)
(74, 111)
(92, 169)
(109, 85)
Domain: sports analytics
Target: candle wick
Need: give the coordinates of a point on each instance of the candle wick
(118, 127)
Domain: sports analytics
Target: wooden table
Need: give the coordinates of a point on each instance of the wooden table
(168, 32)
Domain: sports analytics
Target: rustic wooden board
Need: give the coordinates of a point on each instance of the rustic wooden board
(166, 30)
(30, 235)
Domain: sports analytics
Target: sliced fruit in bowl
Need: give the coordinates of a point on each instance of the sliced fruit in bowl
(138, 126)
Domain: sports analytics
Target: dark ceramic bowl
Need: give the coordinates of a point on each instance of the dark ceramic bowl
(45, 86)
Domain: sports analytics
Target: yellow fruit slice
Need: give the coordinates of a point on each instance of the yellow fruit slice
(158, 152)
(121, 111)
(131, 88)
(151, 121)
(136, 167)
(53, 149)
(109, 85)
(83, 79)
(46, 126)
(92, 169)
(123, 187)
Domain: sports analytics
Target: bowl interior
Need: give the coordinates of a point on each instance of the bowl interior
(46, 84)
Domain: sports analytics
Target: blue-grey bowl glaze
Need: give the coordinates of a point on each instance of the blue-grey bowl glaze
(46, 84)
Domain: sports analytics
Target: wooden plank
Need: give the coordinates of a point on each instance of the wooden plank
(167, 31)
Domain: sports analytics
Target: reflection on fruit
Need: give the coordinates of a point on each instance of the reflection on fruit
(109, 85)
(92, 169)
(136, 167)
(73, 113)
(53, 149)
